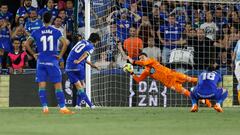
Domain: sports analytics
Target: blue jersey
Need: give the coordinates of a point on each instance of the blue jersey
(46, 39)
(171, 33)
(24, 10)
(8, 16)
(53, 11)
(77, 51)
(207, 83)
(5, 39)
(31, 26)
(123, 32)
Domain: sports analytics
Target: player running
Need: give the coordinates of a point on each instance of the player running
(207, 89)
(75, 66)
(169, 78)
(48, 70)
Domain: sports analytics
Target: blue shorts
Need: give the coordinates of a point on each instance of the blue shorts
(75, 76)
(214, 95)
(48, 73)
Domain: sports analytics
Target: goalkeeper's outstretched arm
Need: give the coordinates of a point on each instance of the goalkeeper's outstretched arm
(142, 76)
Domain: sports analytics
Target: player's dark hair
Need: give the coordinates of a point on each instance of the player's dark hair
(47, 16)
(142, 53)
(94, 37)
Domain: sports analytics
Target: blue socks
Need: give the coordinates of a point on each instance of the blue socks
(42, 96)
(60, 98)
(81, 95)
(193, 99)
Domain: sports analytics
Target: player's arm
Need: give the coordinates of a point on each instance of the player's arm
(27, 45)
(92, 65)
(140, 62)
(64, 47)
(84, 56)
(142, 76)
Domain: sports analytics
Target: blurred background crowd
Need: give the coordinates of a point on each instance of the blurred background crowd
(179, 34)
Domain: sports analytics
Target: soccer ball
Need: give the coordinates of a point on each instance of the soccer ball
(127, 67)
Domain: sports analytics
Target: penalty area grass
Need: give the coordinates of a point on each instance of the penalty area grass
(120, 121)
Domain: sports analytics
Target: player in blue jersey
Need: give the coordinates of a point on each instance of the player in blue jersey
(48, 70)
(207, 88)
(75, 65)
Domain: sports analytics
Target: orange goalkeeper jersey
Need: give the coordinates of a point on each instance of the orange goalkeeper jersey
(158, 72)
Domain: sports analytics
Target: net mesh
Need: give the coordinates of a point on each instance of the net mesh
(183, 35)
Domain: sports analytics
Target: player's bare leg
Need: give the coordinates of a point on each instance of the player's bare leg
(61, 99)
(43, 96)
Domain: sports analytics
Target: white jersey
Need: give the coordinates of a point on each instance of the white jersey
(152, 52)
(210, 30)
(237, 61)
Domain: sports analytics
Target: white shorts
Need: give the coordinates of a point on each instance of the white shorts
(237, 71)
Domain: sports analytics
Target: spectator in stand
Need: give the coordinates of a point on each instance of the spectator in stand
(102, 63)
(181, 14)
(20, 22)
(61, 4)
(123, 24)
(234, 36)
(57, 24)
(203, 48)
(62, 14)
(17, 60)
(145, 30)
(152, 51)
(20, 33)
(5, 39)
(33, 22)
(170, 35)
(223, 62)
(133, 45)
(69, 22)
(24, 10)
(4, 13)
(219, 18)
(136, 13)
(210, 28)
(49, 8)
(234, 20)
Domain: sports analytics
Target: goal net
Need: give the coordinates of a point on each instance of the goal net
(183, 35)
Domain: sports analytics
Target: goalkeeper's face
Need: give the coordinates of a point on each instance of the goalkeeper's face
(142, 57)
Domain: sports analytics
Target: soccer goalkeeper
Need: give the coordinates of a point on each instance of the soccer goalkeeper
(170, 78)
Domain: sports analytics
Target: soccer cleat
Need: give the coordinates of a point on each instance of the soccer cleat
(93, 107)
(208, 103)
(194, 108)
(218, 108)
(78, 107)
(45, 110)
(66, 111)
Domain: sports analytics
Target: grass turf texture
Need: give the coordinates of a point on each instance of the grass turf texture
(120, 121)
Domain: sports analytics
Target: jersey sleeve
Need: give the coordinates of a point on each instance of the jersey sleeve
(89, 49)
(145, 74)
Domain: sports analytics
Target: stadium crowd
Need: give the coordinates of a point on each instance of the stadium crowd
(208, 30)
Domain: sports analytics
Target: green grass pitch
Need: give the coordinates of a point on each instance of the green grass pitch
(120, 121)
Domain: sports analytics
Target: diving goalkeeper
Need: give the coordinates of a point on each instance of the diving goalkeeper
(168, 77)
